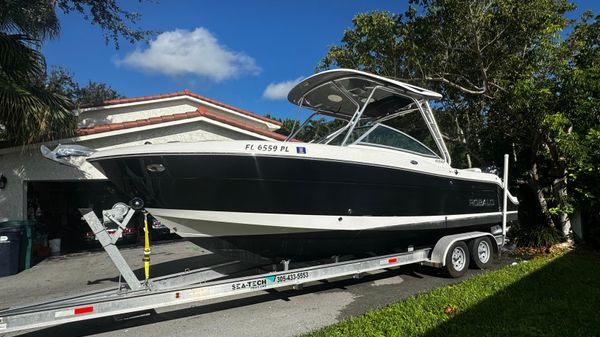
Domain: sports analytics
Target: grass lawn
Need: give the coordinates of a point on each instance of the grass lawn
(552, 295)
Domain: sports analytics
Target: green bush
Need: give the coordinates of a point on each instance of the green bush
(527, 235)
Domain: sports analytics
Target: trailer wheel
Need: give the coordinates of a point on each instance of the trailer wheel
(457, 259)
(482, 252)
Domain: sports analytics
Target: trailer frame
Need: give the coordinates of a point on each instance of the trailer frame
(197, 286)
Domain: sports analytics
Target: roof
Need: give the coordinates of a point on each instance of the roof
(185, 92)
(200, 112)
(323, 77)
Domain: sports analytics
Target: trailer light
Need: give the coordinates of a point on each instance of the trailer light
(393, 260)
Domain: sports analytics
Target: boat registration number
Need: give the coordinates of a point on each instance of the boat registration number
(267, 148)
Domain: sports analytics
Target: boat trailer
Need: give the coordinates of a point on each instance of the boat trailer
(203, 284)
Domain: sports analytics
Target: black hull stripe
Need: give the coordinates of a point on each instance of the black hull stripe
(97, 161)
(292, 186)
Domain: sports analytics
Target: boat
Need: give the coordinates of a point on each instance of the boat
(374, 185)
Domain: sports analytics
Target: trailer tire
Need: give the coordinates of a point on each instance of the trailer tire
(457, 259)
(482, 252)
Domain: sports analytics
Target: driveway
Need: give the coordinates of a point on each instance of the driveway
(267, 313)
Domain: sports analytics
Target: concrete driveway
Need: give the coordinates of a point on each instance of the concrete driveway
(268, 313)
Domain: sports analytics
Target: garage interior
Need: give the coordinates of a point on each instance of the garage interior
(54, 205)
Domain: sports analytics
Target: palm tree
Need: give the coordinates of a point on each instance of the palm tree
(29, 112)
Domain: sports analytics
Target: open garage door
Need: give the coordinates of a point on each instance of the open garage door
(55, 205)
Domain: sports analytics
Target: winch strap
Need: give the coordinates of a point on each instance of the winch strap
(146, 247)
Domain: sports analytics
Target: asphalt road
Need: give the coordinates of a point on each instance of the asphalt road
(267, 313)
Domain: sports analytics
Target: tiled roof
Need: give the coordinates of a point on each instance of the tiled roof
(176, 94)
(200, 112)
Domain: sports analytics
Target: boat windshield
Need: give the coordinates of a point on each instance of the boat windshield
(381, 135)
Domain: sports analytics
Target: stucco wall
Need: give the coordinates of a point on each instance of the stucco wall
(155, 109)
(28, 164)
(135, 112)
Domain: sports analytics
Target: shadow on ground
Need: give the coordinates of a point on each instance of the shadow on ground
(561, 299)
(171, 267)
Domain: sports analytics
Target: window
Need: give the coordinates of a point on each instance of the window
(356, 133)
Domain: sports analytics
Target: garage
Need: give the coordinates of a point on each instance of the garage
(54, 206)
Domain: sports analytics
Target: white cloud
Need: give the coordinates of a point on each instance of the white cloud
(276, 91)
(184, 52)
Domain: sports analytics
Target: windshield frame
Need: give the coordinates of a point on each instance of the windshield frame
(417, 104)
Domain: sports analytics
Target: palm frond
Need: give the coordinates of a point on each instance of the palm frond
(19, 60)
(28, 111)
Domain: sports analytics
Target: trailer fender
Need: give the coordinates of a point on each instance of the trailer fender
(439, 252)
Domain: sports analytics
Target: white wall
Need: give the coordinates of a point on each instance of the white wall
(139, 111)
(28, 164)
(171, 106)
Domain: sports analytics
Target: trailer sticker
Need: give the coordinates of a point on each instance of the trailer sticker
(388, 261)
(292, 277)
(73, 312)
(253, 284)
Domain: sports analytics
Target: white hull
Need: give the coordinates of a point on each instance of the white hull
(193, 223)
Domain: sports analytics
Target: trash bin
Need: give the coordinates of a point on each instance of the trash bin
(10, 240)
(54, 246)
(26, 246)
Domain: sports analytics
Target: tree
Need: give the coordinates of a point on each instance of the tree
(29, 112)
(61, 81)
(580, 102)
(38, 20)
(314, 129)
(502, 68)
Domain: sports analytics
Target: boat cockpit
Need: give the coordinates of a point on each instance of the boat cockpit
(357, 108)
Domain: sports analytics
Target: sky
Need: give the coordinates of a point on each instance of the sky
(244, 53)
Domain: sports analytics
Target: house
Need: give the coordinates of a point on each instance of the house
(37, 188)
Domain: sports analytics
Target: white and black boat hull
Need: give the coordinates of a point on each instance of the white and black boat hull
(252, 236)
(299, 207)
